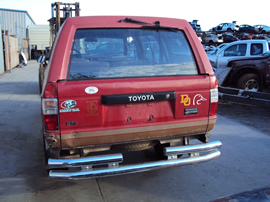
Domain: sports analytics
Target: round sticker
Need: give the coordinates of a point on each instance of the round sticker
(68, 104)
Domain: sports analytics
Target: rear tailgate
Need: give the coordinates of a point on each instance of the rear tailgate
(110, 111)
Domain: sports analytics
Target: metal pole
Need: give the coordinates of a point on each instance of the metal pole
(58, 22)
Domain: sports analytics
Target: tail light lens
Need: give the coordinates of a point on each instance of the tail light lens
(214, 101)
(50, 113)
(51, 122)
(49, 106)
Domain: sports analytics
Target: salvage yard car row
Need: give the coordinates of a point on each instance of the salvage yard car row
(229, 32)
(230, 27)
(239, 55)
(209, 38)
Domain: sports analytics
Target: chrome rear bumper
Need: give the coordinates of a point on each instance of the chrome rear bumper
(196, 154)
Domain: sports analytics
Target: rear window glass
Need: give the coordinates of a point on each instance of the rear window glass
(122, 53)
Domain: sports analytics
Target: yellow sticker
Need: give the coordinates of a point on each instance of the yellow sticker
(185, 100)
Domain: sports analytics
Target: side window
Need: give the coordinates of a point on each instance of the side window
(236, 50)
(256, 49)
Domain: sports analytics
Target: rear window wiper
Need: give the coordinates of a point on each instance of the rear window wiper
(151, 25)
(131, 20)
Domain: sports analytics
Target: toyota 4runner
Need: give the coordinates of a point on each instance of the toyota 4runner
(116, 84)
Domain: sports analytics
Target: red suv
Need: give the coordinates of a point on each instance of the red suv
(115, 84)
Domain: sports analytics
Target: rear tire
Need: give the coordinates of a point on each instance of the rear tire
(40, 77)
(249, 82)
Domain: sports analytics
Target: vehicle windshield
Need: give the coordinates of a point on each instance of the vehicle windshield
(122, 53)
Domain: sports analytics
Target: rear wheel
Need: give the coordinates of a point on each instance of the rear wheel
(40, 77)
(249, 82)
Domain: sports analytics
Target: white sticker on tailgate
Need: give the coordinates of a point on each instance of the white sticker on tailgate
(91, 90)
(198, 99)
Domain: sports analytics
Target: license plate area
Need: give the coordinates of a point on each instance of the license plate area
(138, 97)
(138, 108)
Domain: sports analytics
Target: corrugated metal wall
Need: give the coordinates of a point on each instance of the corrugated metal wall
(16, 23)
(13, 26)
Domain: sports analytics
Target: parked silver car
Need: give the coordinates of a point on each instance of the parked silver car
(211, 39)
(263, 28)
(226, 27)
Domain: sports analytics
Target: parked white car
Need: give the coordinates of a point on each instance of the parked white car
(225, 27)
(238, 50)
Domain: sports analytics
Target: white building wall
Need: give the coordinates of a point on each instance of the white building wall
(16, 22)
(39, 35)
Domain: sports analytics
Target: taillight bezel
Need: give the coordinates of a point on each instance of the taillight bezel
(49, 106)
(213, 101)
(50, 113)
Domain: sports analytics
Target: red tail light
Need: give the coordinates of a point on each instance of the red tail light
(50, 108)
(51, 122)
